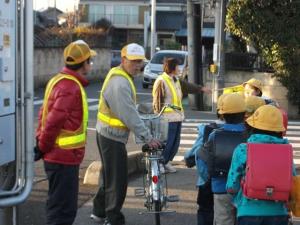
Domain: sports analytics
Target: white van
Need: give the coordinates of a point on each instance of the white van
(155, 66)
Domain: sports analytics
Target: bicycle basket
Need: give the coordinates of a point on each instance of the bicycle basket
(158, 126)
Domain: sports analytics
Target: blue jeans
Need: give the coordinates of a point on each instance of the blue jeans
(173, 141)
(262, 220)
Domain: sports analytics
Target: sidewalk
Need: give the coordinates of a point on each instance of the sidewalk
(181, 183)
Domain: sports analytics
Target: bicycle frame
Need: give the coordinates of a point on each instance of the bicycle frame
(153, 179)
(155, 183)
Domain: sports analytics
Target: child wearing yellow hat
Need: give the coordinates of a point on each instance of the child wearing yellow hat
(217, 152)
(264, 126)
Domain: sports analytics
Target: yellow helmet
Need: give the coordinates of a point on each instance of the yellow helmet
(252, 103)
(267, 117)
(232, 103)
(254, 82)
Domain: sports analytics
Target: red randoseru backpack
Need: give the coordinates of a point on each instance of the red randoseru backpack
(268, 172)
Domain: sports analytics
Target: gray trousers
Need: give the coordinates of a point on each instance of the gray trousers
(110, 197)
(224, 211)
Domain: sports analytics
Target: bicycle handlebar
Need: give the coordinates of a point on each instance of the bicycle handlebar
(168, 106)
(147, 148)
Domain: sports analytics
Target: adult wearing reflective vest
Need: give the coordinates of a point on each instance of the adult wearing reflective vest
(167, 90)
(117, 115)
(61, 133)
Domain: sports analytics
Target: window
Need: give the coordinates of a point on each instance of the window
(96, 12)
(126, 14)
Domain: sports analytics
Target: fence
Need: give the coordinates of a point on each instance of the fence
(61, 37)
(246, 62)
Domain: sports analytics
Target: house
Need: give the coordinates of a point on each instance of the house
(127, 18)
(130, 17)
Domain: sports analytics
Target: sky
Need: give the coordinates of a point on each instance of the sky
(63, 5)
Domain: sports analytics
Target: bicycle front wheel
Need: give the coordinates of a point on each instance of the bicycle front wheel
(157, 207)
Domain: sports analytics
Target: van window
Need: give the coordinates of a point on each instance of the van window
(159, 58)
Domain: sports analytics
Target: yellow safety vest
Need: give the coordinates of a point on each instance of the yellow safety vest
(68, 139)
(175, 100)
(105, 115)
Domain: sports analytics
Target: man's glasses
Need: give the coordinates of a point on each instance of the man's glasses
(90, 61)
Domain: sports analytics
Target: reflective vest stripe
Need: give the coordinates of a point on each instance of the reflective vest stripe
(175, 100)
(107, 117)
(68, 139)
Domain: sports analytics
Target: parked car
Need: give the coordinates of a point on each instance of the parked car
(115, 58)
(155, 66)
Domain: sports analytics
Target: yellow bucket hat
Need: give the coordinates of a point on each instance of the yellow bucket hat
(254, 82)
(267, 117)
(232, 103)
(253, 103)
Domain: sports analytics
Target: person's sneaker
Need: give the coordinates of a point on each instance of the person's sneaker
(162, 168)
(106, 222)
(97, 219)
(169, 168)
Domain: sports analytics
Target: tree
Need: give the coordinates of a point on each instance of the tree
(273, 27)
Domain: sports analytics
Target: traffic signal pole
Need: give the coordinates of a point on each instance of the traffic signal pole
(218, 50)
(195, 51)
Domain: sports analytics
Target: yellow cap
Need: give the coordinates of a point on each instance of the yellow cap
(254, 82)
(232, 103)
(252, 103)
(267, 117)
(220, 100)
(133, 51)
(77, 52)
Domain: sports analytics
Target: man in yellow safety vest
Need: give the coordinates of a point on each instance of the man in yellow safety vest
(117, 115)
(61, 133)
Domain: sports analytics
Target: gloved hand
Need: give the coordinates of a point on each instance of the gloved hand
(190, 161)
(37, 152)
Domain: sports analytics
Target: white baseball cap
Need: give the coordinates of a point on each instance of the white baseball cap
(133, 51)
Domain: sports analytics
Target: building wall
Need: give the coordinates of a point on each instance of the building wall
(272, 88)
(49, 61)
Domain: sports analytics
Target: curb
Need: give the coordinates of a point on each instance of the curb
(135, 165)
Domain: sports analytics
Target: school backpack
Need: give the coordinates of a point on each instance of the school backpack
(217, 153)
(268, 172)
(190, 161)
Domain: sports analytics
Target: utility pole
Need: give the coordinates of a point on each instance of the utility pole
(195, 51)
(218, 51)
(153, 27)
(146, 26)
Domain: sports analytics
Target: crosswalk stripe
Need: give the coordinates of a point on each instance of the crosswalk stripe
(189, 133)
(93, 107)
(38, 102)
(292, 138)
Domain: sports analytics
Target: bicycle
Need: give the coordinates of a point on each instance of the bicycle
(155, 188)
